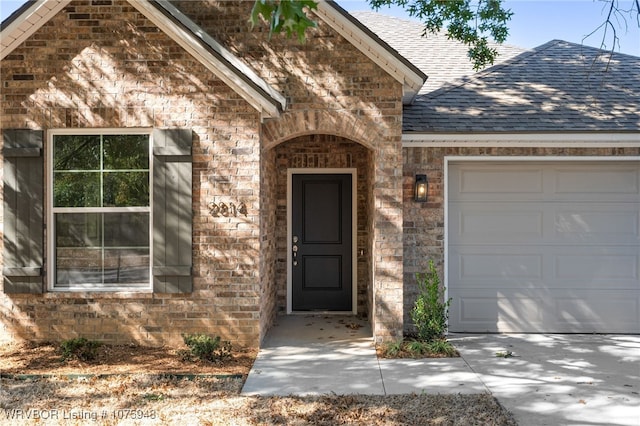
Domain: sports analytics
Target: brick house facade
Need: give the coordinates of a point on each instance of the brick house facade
(254, 110)
(105, 65)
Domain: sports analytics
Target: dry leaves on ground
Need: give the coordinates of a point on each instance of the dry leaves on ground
(120, 359)
(143, 394)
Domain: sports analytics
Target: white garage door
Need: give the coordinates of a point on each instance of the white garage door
(544, 246)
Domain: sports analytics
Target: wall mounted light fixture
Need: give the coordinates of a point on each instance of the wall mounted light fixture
(421, 188)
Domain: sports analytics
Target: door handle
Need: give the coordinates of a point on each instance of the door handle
(294, 249)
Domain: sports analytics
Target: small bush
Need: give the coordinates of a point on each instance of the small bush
(392, 349)
(80, 348)
(441, 347)
(205, 347)
(416, 347)
(429, 313)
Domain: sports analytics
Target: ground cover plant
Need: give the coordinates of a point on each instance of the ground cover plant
(79, 348)
(205, 348)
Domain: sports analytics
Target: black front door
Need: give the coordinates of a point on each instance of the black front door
(321, 242)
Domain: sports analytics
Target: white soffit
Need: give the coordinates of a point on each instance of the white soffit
(523, 140)
(411, 81)
(28, 23)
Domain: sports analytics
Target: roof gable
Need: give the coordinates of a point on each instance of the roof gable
(376, 49)
(35, 13)
(29, 18)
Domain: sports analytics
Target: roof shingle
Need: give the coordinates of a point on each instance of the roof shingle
(556, 87)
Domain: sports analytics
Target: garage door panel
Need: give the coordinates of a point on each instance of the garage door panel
(473, 265)
(511, 180)
(597, 179)
(562, 259)
(611, 310)
(496, 311)
(504, 311)
(614, 268)
(544, 266)
(497, 221)
(601, 223)
(591, 182)
(544, 222)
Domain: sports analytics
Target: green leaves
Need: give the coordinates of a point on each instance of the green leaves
(473, 24)
(430, 312)
(288, 16)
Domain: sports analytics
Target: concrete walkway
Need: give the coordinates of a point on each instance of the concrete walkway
(312, 355)
(546, 380)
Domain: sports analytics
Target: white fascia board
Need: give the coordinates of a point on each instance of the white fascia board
(411, 82)
(268, 107)
(523, 140)
(28, 23)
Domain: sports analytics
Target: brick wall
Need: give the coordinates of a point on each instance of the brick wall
(107, 66)
(424, 222)
(332, 88)
(104, 65)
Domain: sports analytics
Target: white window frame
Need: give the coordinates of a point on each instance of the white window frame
(51, 210)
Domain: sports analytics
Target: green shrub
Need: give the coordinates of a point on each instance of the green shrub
(392, 349)
(416, 347)
(80, 348)
(429, 313)
(205, 347)
(441, 347)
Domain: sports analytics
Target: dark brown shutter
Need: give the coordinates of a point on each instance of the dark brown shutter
(23, 211)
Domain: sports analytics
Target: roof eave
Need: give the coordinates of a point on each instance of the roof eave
(411, 78)
(212, 55)
(522, 139)
(25, 21)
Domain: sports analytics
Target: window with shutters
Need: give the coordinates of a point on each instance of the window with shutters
(100, 211)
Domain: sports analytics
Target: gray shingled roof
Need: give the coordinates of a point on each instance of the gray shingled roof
(441, 59)
(556, 87)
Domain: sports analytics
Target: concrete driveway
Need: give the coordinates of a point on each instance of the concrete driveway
(559, 379)
(542, 379)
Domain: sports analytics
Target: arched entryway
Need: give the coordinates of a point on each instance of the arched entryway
(337, 144)
(324, 162)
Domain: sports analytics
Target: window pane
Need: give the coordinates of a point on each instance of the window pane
(78, 266)
(76, 152)
(126, 266)
(81, 258)
(78, 230)
(126, 230)
(130, 152)
(81, 189)
(126, 189)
